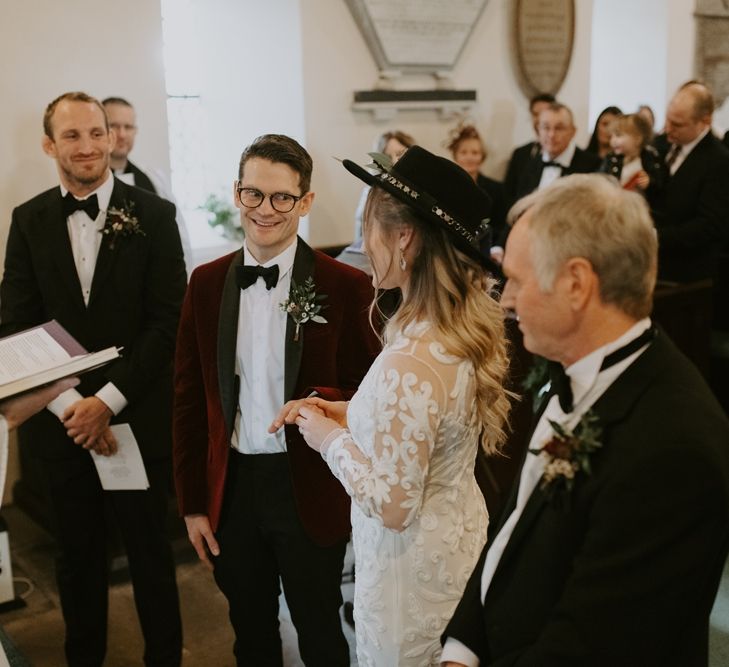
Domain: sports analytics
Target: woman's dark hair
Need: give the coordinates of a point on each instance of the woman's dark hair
(594, 146)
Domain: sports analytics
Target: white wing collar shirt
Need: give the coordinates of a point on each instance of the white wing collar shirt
(260, 358)
(551, 172)
(588, 383)
(85, 237)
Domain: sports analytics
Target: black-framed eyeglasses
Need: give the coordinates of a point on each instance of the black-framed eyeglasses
(283, 202)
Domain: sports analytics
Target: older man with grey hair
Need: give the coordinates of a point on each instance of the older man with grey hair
(611, 548)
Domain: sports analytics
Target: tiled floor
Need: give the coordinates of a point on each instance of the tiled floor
(37, 629)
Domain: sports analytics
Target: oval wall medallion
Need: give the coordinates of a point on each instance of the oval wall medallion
(543, 37)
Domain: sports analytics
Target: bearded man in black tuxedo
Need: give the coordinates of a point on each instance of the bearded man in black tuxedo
(104, 259)
(612, 546)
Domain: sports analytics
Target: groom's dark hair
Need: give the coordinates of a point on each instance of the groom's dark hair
(71, 97)
(280, 148)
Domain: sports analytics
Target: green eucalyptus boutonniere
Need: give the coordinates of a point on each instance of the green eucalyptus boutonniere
(303, 304)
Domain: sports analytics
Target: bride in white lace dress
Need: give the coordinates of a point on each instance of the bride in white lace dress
(405, 446)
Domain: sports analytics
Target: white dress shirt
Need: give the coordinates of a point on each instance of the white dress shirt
(86, 237)
(588, 384)
(551, 174)
(685, 151)
(260, 358)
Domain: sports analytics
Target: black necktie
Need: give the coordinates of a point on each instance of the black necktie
(90, 205)
(673, 155)
(560, 381)
(247, 275)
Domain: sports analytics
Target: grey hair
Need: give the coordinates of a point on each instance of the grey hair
(590, 216)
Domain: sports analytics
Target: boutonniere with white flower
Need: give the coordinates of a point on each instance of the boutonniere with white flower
(567, 453)
(303, 304)
(121, 222)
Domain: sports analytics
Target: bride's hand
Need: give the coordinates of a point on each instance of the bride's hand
(315, 427)
(336, 410)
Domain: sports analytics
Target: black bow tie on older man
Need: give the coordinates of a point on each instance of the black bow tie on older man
(247, 275)
(552, 163)
(560, 381)
(90, 205)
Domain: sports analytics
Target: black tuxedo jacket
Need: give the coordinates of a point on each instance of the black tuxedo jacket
(582, 163)
(625, 570)
(691, 212)
(141, 180)
(520, 158)
(135, 300)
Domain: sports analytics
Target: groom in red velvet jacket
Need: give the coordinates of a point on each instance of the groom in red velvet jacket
(264, 507)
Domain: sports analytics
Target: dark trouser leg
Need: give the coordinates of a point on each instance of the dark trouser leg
(141, 518)
(246, 571)
(77, 507)
(264, 539)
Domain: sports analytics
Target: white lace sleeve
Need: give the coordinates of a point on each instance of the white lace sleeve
(388, 483)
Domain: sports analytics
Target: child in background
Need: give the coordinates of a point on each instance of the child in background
(632, 160)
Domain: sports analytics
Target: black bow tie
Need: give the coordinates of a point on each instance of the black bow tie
(560, 381)
(247, 275)
(551, 163)
(90, 205)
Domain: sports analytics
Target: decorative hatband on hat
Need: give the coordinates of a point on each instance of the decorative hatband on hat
(461, 207)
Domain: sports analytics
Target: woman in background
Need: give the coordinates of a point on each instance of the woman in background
(393, 144)
(469, 153)
(600, 139)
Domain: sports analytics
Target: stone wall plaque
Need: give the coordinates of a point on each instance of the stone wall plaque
(712, 46)
(415, 36)
(543, 35)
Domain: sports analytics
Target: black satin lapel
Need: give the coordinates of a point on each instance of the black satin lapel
(303, 268)
(121, 196)
(61, 244)
(611, 407)
(532, 509)
(227, 340)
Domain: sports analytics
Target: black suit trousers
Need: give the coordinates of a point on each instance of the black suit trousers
(80, 511)
(262, 542)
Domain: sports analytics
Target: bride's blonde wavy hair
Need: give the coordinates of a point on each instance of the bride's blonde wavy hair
(452, 292)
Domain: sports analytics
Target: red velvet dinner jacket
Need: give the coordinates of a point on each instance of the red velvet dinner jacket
(331, 357)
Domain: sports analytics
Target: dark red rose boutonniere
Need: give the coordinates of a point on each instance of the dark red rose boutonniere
(304, 305)
(567, 454)
(121, 222)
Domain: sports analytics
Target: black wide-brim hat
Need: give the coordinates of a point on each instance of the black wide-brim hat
(440, 192)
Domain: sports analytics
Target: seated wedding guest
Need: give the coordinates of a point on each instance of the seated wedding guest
(690, 211)
(522, 155)
(599, 143)
(404, 448)
(469, 153)
(104, 259)
(123, 120)
(614, 542)
(393, 144)
(560, 155)
(269, 323)
(632, 160)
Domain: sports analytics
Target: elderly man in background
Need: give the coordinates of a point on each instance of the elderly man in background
(612, 546)
(559, 156)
